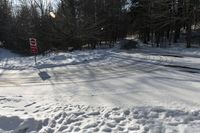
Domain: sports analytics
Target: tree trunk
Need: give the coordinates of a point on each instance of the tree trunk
(189, 33)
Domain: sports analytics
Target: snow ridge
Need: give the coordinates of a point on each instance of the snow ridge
(88, 119)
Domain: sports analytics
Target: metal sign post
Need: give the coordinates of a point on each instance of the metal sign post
(35, 60)
(33, 47)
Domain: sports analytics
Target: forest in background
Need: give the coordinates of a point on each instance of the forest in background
(96, 23)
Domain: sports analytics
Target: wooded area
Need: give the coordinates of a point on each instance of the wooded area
(93, 23)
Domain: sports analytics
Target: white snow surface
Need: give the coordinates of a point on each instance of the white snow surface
(140, 91)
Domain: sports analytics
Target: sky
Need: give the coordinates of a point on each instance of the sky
(45, 1)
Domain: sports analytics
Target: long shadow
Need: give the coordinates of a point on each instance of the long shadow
(186, 67)
(176, 79)
(162, 52)
(44, 75)
(176, 91)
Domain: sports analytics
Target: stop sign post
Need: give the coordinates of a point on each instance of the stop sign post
(33, 47)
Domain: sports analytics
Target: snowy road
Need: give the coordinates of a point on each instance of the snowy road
(120, 80)
(101, 91)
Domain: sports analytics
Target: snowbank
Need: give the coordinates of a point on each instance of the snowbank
(13, 61)
(7, 54)
(63, 118)
(167, 56)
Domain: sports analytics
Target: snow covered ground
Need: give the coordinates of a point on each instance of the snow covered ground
(143, 90)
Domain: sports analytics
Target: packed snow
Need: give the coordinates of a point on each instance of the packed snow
(59, 118)
(149, 90)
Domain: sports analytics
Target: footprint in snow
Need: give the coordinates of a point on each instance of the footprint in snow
(107, 130)
(45, 109)
(120, 128)
(77, 129)
(30, 104)
(37, 106)
(111, 125)
(17, 110)
(134, 127)
(8, 107)
(36, 111)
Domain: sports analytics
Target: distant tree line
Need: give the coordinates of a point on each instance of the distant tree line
(95, 23)
(77, 23)
(158, 21)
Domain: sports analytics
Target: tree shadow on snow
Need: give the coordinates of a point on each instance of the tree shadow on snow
(18, 125)
(44, 75)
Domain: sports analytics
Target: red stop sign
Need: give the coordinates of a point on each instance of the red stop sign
(33, 45)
